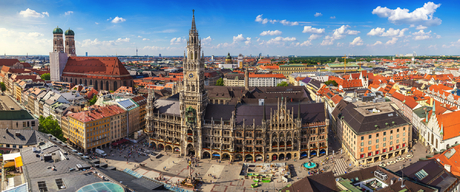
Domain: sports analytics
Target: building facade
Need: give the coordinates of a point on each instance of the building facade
(371, 132)
(244, 128)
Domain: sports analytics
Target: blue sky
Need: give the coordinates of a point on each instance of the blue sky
(247, 27)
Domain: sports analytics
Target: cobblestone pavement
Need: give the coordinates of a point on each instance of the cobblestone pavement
(225, 175)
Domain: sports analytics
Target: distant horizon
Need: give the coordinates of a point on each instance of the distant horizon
(249, 27)
(243, 55)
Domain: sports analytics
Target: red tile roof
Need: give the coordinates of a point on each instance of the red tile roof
(97, 112)
(8, 62)
(453, 161)
(124, 89)
(96, 68)
(449, 123)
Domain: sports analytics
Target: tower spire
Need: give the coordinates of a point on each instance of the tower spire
(193, 22)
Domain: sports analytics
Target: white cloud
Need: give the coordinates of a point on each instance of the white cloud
(333, 17)
(279, 40)
(206, 41)
(291, 23)
(238, 38)
(275, 32)
(310, 29)
(392, 41)
(118, 20)
(318, 14)
(248, 41)
(433, 47)
(357, 42)
(122, 40)
(340, 44)
(32, 13)
(376, 43)
(96, 23)
(314, 36)
(145, 39)
(139, 36)
(376, 31)
(421, 35)
(438, 36)
(394, 32)
(262, 20)
(389, 33)
(421, 27)
(422, 15)
(177, 40)
(68, 13)
(455, 43)
(109, 19)
(306, 43)
(35, 34)
(96, 42)
(339, 33)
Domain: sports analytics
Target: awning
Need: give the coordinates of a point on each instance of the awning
(313, 153)
(216, 155)
(248, 157)
(303, 155)
(18, 162)
(322, 152)
(11, 156)
(9, 164)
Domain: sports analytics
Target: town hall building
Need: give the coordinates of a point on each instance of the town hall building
(235, 123)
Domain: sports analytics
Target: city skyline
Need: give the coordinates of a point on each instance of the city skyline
(308, 28)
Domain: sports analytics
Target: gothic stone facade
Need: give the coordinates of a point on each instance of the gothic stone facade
(187, 124)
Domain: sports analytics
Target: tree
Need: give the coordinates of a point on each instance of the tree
(93, 100)
(282, 84)
(220, 82)
(50, 126)
(46, 76)
(331, 82)
(3, 86)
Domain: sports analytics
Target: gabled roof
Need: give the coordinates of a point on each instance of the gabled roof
(8, 62)
(26, 137)
(449, 123)
(315, 183)
(96, 68)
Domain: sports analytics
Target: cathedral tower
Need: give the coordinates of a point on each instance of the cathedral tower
(70, 43)
(193, 96)
(58, 45)
(58, 58)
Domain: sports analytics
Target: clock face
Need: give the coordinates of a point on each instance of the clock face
(190, 75)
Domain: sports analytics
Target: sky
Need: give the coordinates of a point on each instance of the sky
(303, 28)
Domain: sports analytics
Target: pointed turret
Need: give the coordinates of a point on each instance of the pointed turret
(193, 22)
(434, 108)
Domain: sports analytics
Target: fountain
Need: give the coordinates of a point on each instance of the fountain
(309, 165)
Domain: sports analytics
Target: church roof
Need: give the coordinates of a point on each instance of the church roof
(8, 62)
(109, 68)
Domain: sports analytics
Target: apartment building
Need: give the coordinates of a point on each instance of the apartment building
(94, 128)
(372, 132)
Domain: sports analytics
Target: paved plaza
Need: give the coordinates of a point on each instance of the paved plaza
(223, 176)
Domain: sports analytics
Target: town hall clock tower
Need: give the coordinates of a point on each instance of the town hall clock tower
(193, 96)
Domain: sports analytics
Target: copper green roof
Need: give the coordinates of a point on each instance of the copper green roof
(57, 30)
(69, 32)
(15, 115)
